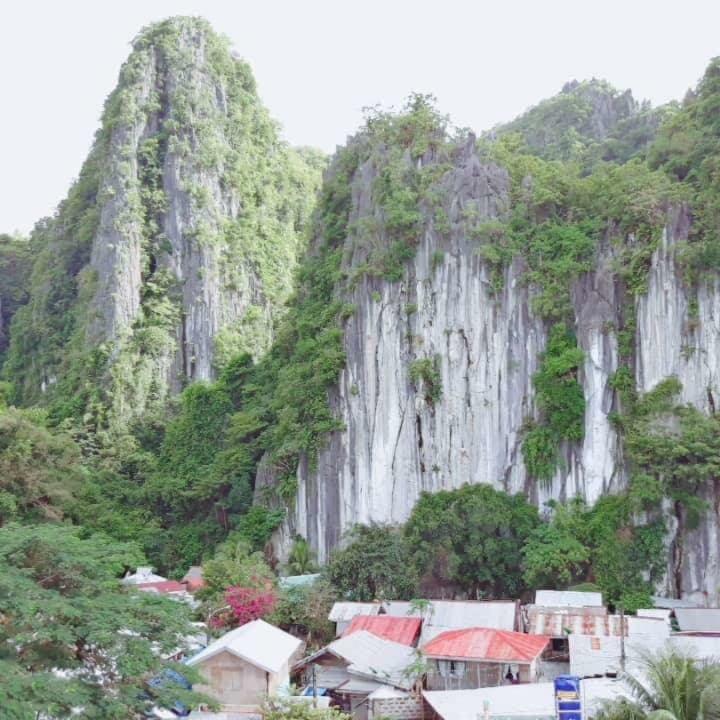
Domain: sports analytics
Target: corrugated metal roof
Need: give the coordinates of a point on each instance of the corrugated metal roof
(601, 655)
(530, 701)
(698, 619)
(554, 623)
(346, 611)
(374, 658)
(257, 642)
(568, 598)
(486, 644)
(403, 630)
(672, 603)
(658, 613)
(293, 581)
(467, 614)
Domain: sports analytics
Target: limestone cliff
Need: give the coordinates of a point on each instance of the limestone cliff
(176, 247)
(482, 338)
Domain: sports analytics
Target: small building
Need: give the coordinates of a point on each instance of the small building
(246, 665)
(403, 630)
(355, 666)
(482, 657)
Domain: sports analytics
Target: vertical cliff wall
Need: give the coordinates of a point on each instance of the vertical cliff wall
(176, 247)
(484, 340)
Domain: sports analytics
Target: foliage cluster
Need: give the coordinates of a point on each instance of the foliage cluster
(72, 637)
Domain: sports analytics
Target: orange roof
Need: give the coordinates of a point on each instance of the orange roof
(486, 644)
(403, 630)
(166, 586)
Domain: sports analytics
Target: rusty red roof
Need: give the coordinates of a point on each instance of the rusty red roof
(486, 644)
(166, 586)
(403, 630)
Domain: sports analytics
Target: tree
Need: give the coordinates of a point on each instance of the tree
(304, 611)
(72, 636)
(284, 709)
(553, 557)
(39, 469)
(374, 565)
(251, 603)
(671, 687)
(470, 540)
(301, 560)
(234, 565)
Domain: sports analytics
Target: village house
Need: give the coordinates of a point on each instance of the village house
(437, 615)
(246, 665)
(356, 666)
(482, 657)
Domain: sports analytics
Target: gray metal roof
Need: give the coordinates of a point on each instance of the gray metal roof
(568, 598)
(601, 655)
(534, 701)
(346, 611)
(257, 642)
(376, 659)
(698, 619)
(672, 603)
(293, 581)
(458, 614)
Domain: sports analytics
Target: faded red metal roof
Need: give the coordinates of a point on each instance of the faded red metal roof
(166, 586)
(403, 630)
(486, 644)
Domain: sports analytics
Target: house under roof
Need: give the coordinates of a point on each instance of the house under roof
(369, 659)
(568, 598)
(346, 611)
(486, 644)
(256, 642)
(698, 619)
(403, 630)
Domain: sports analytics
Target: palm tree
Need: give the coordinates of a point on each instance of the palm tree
(301, 560)
(671, 686)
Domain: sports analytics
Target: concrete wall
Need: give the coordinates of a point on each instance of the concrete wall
(409, 707)
(232, 681)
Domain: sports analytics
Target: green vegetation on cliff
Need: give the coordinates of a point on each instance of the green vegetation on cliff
(189, 181)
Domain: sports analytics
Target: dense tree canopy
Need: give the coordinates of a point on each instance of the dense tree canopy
(70, 635)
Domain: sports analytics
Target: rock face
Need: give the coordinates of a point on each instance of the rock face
(485, 345)
(193, 219)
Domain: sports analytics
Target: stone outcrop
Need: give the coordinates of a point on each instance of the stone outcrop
(486, 343)
(193, 213)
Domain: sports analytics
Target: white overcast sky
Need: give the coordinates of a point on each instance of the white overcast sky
(318, 62)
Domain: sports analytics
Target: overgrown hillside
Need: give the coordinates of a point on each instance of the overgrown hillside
(534, 310)
(176, 247)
